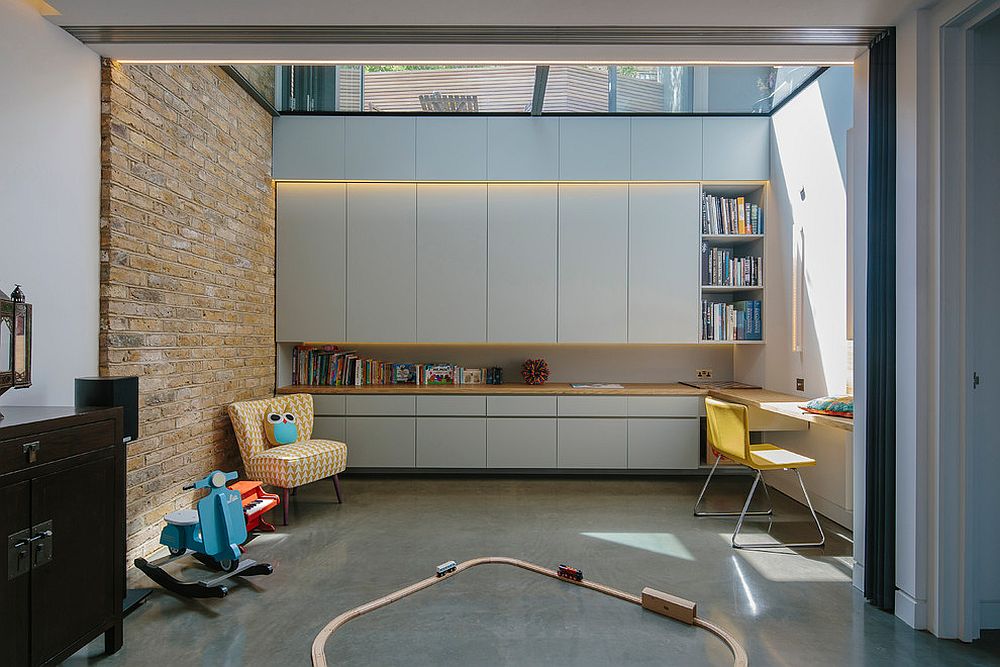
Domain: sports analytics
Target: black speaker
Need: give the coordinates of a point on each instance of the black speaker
(110, 393)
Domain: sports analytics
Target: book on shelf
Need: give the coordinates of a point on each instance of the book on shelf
(328, 365)
(730, 215)
(738, 320)
(721, 267)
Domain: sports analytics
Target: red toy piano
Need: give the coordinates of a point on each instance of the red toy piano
(256, 502)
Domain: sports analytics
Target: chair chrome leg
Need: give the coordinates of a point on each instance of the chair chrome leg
(697, 504)
(772, 545)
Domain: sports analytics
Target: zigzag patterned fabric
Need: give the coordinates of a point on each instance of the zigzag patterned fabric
(287, 466)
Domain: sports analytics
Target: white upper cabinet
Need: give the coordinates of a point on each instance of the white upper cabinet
(310, 261)
(380, 148)
(666, 149)
(308, 148)
(451, 263)
(522, 149)
(737, 149)
(663, 262)
(594, 149)
(523, 232)
(451, 149)
(381, 262)
(593, 263)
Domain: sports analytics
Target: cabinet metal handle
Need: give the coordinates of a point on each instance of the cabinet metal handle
(30, 449)
(40, 536)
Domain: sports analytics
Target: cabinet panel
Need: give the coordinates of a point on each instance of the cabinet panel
(329, 404)
(381, 405)
(451, 442)
(83, 539)
(381, 442)
(523, 149)
(593, 263)
(380, 148)
(308, 148)
(445, 406)
(592, 406)
(663, 304)
(594, 149)
(451, 149)
(664, 406)
(737, 149)
(592, 443)
(521, 443)
(523, 238)
(663, 444)
(311, 261)
(15, 594)
(451, 263)
(666, 149)
(381, 262)
(521, 406)
(330, 428)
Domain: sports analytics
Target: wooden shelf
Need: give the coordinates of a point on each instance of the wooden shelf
(731, 288)
(732, 342)
(512, 389)
(732, 238)
(786, 405)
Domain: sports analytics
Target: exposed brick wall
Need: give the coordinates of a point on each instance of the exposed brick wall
(187, 271)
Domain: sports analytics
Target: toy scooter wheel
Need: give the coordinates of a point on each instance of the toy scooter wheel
(228, 565)
(176, 552)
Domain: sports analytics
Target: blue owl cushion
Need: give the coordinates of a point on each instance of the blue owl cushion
(280, 428)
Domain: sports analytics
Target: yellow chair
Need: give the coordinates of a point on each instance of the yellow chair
(286, 466)
(729, 435)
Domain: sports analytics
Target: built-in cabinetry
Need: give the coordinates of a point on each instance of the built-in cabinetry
(513, 432)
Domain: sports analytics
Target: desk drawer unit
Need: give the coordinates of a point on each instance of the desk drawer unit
(451, 406)
(39, 449)
(521, 442)
(451, 442)
(381, 442)
(330, 404)
(663, 406)
(663, 444)
(382, 405)
(592, 443)
(330, 428)
(521, 406)
(592, 406)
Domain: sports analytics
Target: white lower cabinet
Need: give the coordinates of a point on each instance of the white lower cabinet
(521, 443)
(451, 442)
(663, 444)
(330, 428)
(592, 443)
(381, 442)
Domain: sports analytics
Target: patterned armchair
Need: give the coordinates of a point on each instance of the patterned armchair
(285, 466)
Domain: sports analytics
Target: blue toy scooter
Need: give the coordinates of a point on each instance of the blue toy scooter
(212, 533)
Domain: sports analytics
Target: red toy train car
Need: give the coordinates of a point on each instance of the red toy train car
(567, 572)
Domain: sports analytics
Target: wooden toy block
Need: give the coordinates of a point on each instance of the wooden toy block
(669, 605)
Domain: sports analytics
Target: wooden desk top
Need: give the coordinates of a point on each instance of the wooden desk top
(786, 405)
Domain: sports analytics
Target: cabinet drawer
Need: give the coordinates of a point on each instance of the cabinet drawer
(663, 444)
(324, 404)
(592, 406)
(521, 443)
(451, 442)
(57, 444)
(448, 406)
(381, 405)
(521, 406)
(663, 406)
(380, 442)
(592, 443)
(330, 428)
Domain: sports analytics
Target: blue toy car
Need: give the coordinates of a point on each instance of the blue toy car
(216, 529)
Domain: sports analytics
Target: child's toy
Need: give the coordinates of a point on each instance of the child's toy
(256, 502)
(567, 572)
(212, 533)
(280, 428)
(445, 568)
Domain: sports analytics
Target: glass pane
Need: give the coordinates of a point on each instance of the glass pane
(449, 88)
(5, 345)
(654, 89)
(260, 77)
(788, 80)
(577, 89)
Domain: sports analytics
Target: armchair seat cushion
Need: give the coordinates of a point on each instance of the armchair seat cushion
(300, 463)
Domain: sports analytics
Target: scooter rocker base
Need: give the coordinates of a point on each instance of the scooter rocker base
(205, 588)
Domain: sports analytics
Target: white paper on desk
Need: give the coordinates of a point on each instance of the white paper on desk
(598, 385)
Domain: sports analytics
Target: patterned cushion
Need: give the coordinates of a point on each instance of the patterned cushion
(838, 406)
(294, 465)
(287, 466)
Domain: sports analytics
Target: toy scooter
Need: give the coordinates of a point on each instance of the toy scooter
(212, 533)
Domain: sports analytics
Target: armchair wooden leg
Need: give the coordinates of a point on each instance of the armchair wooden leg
(284, 507)
(336, 485)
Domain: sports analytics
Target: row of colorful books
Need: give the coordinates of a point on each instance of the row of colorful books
(328, 365)
(740, 320)
(721, 267)
(730, 215)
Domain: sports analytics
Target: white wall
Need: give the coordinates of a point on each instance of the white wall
(49, 196)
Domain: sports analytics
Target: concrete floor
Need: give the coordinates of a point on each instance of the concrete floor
(785, 608)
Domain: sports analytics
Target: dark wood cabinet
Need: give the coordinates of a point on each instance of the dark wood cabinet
(62, 497)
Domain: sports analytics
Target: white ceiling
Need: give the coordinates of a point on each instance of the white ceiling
(741, 13)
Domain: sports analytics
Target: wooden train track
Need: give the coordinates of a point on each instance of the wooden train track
(661, 603)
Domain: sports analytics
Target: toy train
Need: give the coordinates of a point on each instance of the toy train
(445, 568)
(567, 572)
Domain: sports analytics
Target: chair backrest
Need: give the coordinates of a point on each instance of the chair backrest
(728, 429)
(248, 420)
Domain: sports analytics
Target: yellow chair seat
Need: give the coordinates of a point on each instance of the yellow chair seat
(770, 457)
(293, 465)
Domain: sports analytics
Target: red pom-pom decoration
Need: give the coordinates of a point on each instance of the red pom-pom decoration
(535, 371)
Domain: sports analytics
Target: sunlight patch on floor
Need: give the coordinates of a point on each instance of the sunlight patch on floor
(666, 544)
(783, 565)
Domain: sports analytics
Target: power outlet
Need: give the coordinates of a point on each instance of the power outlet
(703, 373)
(800, 384)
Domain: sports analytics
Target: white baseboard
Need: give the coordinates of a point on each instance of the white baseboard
(989, 615)
(911, 611)
(859, 576)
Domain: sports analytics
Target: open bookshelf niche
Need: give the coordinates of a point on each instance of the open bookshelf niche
(732, 263)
